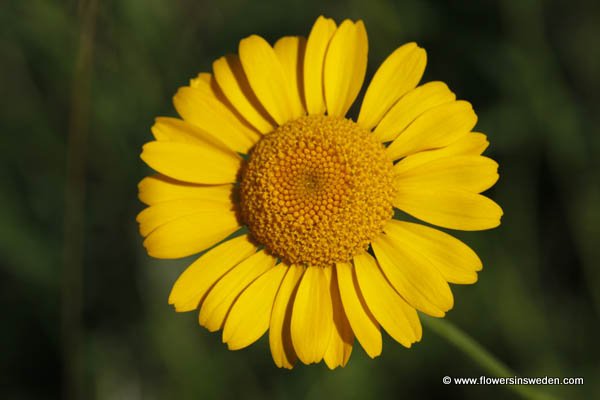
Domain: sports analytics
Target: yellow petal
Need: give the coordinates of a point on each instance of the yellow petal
(314, 59)
(280, 340)
(345, 67)
(453, 209)
(266, 77)
(201, 106)
(471, 173)
(184, 152)
(413, 276)
(437, 127)
(399, 319)
(340, 344)
(195, 164)
(216, 198)
(249, 317)
(452, 258)
(167, 129)
(193, 284)
(192, 233)
(398, 74)
(409, 107)
(200, 78)
(218, 302)
(312, 316)
(363, 323)
(290, 51)
(472, 144)
(229, 74)
(159, 188)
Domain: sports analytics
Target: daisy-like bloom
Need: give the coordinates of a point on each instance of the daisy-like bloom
(293, 204)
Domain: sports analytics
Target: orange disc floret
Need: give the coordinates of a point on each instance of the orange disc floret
(317, 190)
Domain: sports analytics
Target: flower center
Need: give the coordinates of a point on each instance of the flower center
(317, 190)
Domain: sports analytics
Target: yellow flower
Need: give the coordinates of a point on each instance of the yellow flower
(301, 232)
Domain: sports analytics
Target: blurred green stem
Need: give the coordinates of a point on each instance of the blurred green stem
(74, 216)
(444, 328)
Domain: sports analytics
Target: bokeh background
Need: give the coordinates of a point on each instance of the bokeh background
(85, 311)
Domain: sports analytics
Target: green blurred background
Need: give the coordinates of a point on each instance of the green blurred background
(85, 309)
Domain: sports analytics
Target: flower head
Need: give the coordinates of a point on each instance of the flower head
(292, 203)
